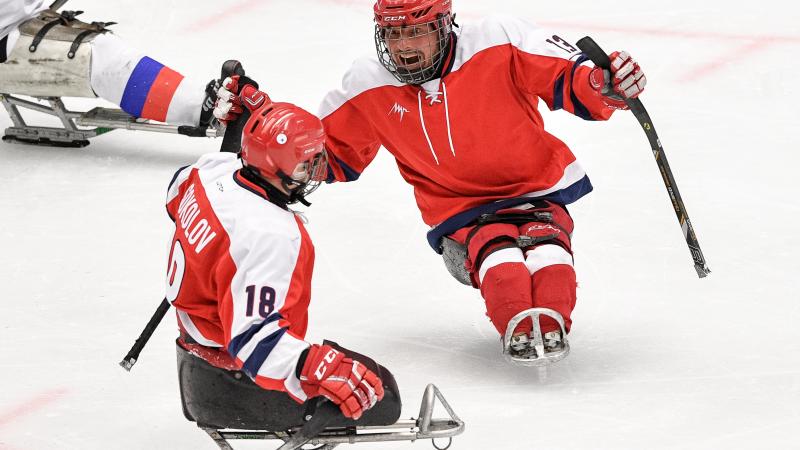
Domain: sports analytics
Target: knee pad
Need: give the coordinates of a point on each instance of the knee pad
(485, 239)
(51, 58)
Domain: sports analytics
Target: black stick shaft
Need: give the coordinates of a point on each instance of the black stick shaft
(589, 47)
(133, 354)
(326, 412)
(232, 139)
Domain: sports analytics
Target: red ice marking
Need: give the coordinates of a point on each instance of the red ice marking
(739, 53)
(671, 33)
(31, 406)
(752, 43)
(240, 8)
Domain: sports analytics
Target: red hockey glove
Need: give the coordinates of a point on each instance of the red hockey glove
(625, 80)
(347, 383)
(232, 97)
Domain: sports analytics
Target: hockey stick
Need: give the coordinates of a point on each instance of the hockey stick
(231, 142)
(601, 59)
(133, 354)
(325, 412)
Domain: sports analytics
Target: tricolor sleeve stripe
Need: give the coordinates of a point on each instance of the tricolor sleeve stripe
(239, 342)
(160, 96)
(149, 90)
(252, 365)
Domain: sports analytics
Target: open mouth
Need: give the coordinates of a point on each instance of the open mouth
(409, 60)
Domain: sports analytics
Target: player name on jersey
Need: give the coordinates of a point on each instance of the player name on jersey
(197, 234)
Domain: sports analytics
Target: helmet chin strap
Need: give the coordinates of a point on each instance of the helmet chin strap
(296, 192)
(275, 195)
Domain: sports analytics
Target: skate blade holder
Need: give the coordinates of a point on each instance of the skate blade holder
(426, 427)
(539, 357)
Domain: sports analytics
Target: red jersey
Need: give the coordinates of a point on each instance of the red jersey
(239, 271)
(473, 140)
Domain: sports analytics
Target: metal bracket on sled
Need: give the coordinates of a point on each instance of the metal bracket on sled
(535, 355)
(426, 427)
(102, 119)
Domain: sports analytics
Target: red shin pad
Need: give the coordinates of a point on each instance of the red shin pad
(554, 287)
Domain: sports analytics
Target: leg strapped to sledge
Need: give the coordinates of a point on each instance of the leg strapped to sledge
(521, 260)
(52, 59)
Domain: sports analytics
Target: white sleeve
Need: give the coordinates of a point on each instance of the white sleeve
(14, 12)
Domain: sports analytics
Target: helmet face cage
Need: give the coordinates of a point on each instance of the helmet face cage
(306, 178)
(384, 35)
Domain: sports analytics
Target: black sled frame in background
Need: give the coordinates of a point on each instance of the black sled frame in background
(589, 47)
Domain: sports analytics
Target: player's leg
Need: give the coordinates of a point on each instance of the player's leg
(497, 267)
(101, 65)
(142, 86)
(550, 264)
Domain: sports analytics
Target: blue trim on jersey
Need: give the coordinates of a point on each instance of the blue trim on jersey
(558, 94)
(261, 353)
(563, 197)
(349, 173)
(139, 83)
(580, 109)
(171, 182)
(175, 177)
(242, 339)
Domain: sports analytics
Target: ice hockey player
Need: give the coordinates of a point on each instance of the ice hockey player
(457, 108)
(240, 267)
(111, 69)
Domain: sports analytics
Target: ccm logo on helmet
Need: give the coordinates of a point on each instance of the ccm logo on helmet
(394, 18)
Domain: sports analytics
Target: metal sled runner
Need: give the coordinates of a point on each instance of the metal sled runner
(426, 427)
(79, 127)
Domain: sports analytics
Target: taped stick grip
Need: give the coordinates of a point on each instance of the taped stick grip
(232, 139)
(596, 54)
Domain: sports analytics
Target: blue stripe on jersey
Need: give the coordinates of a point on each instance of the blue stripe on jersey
(261, 352)
(558, 94)
(175, 177)
(563, 197)
(349, 173)
(580, 109)
(242, 339)
(139, 83)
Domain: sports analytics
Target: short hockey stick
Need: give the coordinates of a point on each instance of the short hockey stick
(231, 142)
(589, 47)
(133, 354)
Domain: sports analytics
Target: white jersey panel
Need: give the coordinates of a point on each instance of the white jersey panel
(366, 73)
(265, 243)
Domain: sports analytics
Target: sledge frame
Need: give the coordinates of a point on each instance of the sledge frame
(426, 427)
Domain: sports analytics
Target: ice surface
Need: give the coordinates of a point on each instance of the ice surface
(660, 359)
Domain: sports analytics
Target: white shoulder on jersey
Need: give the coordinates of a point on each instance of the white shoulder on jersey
(365, 74)
(496, 30)
(206, 161)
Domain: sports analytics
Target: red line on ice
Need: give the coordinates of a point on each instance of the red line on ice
(672, 33)
(31, 406)
(738, 53)
(241, 7)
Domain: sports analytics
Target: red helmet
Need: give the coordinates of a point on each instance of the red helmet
(285, 143)
(390, 13)
(425, 60)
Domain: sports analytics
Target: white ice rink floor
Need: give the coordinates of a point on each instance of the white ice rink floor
(660, 360)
